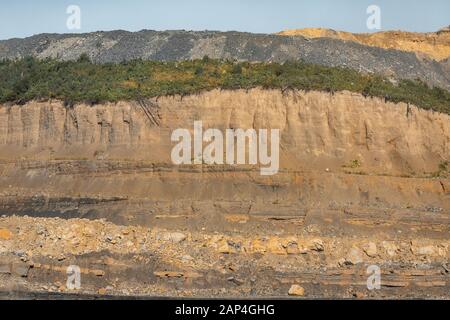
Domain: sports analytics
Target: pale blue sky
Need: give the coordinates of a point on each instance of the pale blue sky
(21, 18)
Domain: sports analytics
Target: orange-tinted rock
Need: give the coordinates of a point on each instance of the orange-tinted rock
(5, 234)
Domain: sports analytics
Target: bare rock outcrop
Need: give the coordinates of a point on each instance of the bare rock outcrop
(435, 45)
(318, 130)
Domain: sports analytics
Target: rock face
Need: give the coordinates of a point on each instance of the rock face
(435, 45)
(117, 46)
(336, 151)
(318, 130)
(94, 186)
(141, 262)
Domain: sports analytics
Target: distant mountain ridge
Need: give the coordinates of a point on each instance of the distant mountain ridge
(117, 46)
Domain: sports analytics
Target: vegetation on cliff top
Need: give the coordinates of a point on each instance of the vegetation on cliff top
(83, 81)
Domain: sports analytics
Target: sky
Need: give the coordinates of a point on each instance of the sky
(22, 18)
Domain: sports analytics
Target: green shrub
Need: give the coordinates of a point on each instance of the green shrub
(82, 80)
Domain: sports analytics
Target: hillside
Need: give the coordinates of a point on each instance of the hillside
(118, 46)
(435, 45)
(362, 181)
(83, 81)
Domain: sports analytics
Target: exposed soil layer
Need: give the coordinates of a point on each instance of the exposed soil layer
(361, 182)
(435, 45)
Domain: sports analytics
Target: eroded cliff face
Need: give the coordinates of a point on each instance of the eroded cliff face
(335, 149)
(359, 179)
(318, 130)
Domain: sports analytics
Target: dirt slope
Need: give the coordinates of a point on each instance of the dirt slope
(433, 44)
(318, 130)
(361, 183)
